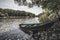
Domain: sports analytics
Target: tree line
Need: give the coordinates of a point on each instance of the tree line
(10, 12)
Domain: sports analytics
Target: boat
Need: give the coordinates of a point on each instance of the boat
(35, 27)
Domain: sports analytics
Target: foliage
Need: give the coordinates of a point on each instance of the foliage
(47, 16)
(44, 17)
(53, 5)
(50, 4)
(10, 12)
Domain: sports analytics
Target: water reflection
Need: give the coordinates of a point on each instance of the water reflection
(9, 29)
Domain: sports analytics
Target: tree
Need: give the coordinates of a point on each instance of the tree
(53, 5)
(10, 12)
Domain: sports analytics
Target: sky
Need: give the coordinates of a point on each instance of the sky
(9, 4)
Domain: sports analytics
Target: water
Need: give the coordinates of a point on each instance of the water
(9, 28)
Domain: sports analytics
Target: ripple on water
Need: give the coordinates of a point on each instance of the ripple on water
(9, 29)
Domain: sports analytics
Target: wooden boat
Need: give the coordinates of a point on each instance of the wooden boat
(36, 27)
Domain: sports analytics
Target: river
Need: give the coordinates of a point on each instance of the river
(9, 28)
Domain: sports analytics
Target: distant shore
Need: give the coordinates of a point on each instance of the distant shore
(15, 17)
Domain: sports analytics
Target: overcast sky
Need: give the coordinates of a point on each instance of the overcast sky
(11, 5)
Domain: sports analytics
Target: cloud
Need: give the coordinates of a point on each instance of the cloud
(11, 5)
